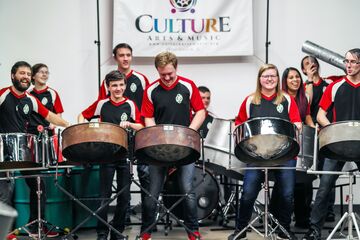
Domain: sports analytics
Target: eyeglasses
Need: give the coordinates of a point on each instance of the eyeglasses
(44, 72)
(351, 62)
(269, 76)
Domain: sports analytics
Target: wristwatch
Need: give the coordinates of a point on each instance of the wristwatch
(308, 82)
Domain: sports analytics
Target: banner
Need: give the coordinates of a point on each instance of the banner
(185, 27)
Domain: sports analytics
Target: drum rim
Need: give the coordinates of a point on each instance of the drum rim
(340, 122)
(88, 123)
(264, 118)
(162, 125)
(18, 134)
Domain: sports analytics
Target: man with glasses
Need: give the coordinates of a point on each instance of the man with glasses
(344, 98)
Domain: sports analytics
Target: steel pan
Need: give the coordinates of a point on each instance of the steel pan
(166, 145)
(219, 152)
(54, 157)
(266, 141)
(95, 142)
(207, 194)
(18, 151)
(341, 141)
(306, 154)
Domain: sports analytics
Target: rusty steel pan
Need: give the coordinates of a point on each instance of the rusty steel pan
(94, 142)
(266, 141)
(167, 145)
(341, 141)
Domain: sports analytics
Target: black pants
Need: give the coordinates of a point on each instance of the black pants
(107, 172)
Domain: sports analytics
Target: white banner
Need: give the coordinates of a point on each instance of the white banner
(185, 27)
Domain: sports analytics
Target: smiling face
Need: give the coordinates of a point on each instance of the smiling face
(269, 81)
(117, 89)
(167, 74)
(21, 79)
(41, 76)
(293, 81)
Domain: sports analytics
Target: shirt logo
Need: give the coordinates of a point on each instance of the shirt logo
(26, 109)
(44, 101)
(124, 117)
(133, 87)
(179, 98)
(280, 108)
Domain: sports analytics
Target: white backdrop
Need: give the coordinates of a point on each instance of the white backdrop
(61, 33)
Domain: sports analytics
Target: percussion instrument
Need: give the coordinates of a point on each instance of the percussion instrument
(341, 141)
(7, 216)
(18, 151)
(266, 141)
(218, 150)
(95, 142)
(306, 153)
(54, 157)
(167, 145)
(207, 193)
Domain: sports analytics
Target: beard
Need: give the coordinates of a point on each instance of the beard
(18, 86)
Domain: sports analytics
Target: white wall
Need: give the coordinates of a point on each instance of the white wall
(61, 33)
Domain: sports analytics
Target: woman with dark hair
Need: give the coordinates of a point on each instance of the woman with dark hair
(292, 83)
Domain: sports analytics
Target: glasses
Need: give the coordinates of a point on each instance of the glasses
(44, 72)
(269, 76)
(351, 62)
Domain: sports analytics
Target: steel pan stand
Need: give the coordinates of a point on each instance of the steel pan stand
(167, 211)
(267, 217)
(349, 216)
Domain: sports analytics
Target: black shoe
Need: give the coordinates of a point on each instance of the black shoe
(330, 217)
(102, 236)
(242, 236)
(283, 236)
(312, 234)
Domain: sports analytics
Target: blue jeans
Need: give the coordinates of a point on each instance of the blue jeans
(327, 181)
(157, 180)
(284, 187)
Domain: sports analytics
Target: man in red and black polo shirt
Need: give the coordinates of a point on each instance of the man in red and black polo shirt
(343, 98)
(136, 83)
(16, 107)
(171, 100)
(122, 111)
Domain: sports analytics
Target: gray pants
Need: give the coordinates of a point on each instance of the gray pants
(6, 189)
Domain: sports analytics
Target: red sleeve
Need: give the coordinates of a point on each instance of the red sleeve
(103, 92)
(147, 108)
(242, 115)
(196, 101)
(41, 109)
(326, 99)
(90, 111)
(58, 108)
(294, 114)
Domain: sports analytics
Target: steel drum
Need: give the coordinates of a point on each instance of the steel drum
(95, 142)
(167, 145)
(207, 194)
(341, 141)
(219, 152)
(266, 141)
(306, 154)
(18, 151)
(54, 157)
(7, 216)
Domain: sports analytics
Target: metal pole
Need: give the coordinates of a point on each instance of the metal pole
(267, 43)
(98, 43)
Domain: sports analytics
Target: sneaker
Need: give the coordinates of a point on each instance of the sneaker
(283, 236)
(192, 237)
(312, 234)
(11, 236)
(242, 236)
(145, 236)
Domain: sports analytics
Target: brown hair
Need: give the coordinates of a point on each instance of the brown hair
(165, 58)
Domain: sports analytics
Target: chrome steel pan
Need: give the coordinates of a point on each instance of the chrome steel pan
(341, 141)
(266, 141)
